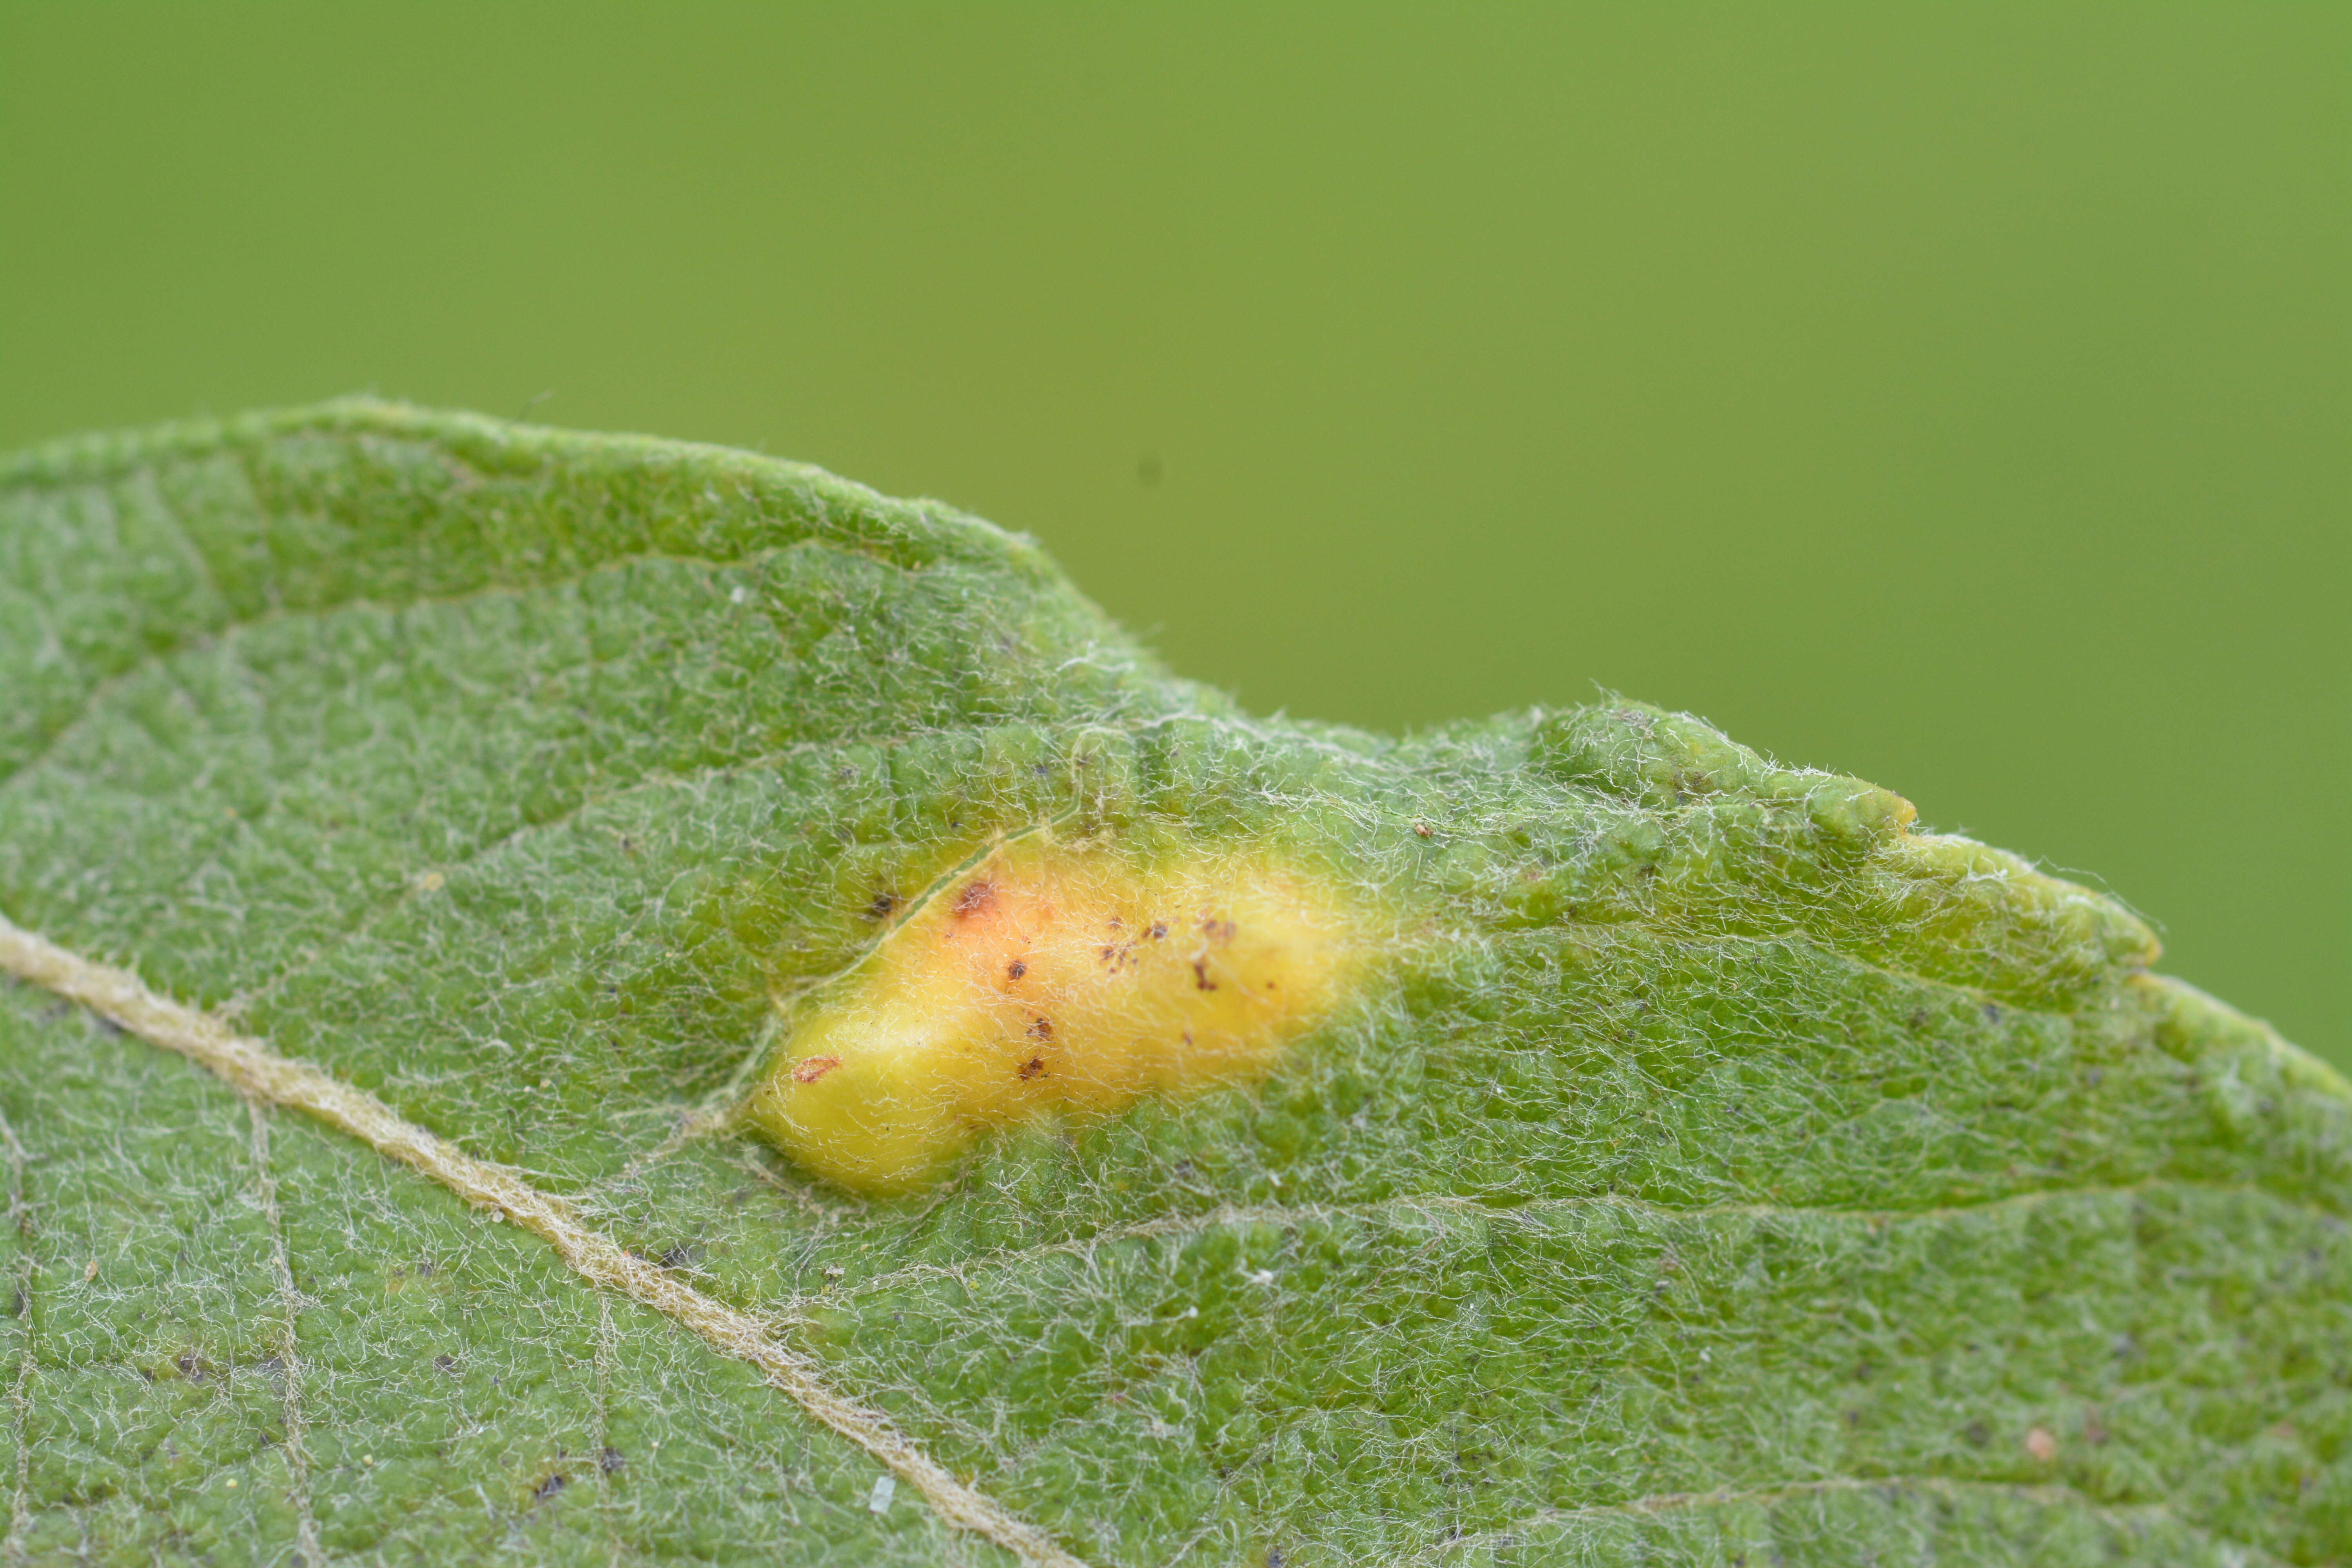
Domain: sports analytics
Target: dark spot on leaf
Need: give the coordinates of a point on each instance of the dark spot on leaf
(445, 1363)
(1692, 782)
(1159, 930)
(974, 898)
(814, 1069)
(1041, 1028)
(881, 906)
(1200, 981)
(1016, 970)
(1992, 1012)
(610, 1461)
(548, 1488)
(1976, 1434)
(1034, 1068)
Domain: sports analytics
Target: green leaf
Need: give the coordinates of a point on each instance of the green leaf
(1702, 1166)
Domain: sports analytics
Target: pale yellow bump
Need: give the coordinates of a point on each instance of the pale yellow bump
(1057, 981)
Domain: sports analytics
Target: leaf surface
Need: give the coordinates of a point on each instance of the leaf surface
(1707, 1167)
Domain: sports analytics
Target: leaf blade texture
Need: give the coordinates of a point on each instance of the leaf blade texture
(1710, 1166)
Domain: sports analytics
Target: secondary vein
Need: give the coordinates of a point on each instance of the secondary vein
(260, 1072)
(289, 1350)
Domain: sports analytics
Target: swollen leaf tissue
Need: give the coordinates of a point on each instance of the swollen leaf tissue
(586, 998)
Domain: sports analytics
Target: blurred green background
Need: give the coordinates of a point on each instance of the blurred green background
(1956, 395)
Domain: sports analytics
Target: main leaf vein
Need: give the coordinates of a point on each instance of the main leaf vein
(260, 1073)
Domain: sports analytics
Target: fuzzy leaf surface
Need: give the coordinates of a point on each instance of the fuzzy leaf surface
(1716, 1170)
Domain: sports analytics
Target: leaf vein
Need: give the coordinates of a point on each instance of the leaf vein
(104, 685)
(290, 1303)
(260, 1073)
(1443, 1206)
(1675, 1502)
(20, 1393)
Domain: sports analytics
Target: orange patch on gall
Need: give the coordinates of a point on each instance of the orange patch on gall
(936, 1038)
